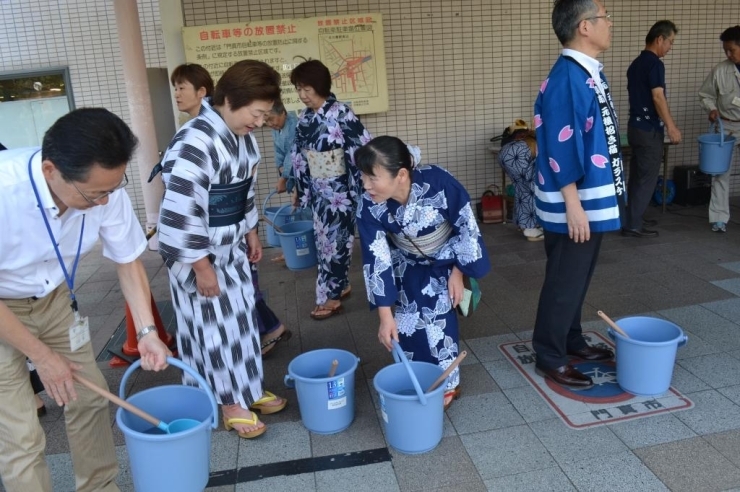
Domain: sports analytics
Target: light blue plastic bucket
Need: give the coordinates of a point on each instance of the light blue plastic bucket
(177, 461)
(645, 359)
(327, 404)
(413, 419)
(280, 215)
(298, 243)
(715, 151)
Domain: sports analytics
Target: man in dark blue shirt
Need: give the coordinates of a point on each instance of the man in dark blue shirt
(649, 116)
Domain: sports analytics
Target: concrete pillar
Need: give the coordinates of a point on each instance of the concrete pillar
(171, 16)
(140, 109)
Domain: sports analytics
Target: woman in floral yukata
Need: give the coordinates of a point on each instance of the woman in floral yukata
(327, 136)
(418, 236)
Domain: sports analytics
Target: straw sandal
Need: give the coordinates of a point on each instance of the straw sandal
(328, 312)
(268, 397)
(347, 291)
(229, 423)
(272, 343)
(453, 395)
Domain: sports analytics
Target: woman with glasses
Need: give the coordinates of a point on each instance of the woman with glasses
(208, 237)
(328, 182)
(418, 236)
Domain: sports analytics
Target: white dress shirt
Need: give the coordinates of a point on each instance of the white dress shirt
(28, 264)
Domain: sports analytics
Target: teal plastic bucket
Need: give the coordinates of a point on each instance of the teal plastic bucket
(715, 150)
(645, 360)
(280, 215)
(412, 419)
(299, 244)
(179, 460)
(327, 404)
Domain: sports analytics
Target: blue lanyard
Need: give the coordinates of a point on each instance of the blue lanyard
(69, 278)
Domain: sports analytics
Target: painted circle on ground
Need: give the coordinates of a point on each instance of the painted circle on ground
(605, 388)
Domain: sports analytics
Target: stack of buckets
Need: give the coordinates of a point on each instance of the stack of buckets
(179, 460)
(295, 237)
(645, 360)
(715, 150)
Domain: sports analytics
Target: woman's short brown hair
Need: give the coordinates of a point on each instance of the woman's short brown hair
(195, 74)
(314, 74)
(247, 81)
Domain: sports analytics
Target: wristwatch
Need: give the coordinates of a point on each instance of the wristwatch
(144, 331)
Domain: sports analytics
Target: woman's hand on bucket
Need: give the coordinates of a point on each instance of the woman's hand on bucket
(388, 330)
(153, 352)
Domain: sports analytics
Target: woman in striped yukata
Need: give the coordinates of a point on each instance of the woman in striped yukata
(208, 236)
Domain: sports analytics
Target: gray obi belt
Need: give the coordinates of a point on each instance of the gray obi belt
(427, 245)
(228, 204)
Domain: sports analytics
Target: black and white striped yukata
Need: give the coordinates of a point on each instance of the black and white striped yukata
(216, 335)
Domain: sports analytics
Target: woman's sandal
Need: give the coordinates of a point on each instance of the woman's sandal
(272, 342)
(347, 291)
(268, 397)
(328, 312)
(229, 424)
(453, 395)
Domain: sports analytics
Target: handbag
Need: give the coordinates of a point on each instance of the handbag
(492, 206)
(328, 164)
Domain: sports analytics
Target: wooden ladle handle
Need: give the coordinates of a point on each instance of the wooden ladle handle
(333, 369)
(448, 371)
(121, 403)
(612, 324)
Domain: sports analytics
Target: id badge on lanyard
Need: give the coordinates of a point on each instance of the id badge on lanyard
(79, 332)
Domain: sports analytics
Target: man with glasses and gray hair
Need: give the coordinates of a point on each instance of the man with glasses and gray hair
(56, 202)
(580, 188)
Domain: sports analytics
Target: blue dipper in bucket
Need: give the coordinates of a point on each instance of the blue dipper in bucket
(178, 425)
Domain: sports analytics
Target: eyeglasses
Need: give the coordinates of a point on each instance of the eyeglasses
(96, 200)
(607, 17)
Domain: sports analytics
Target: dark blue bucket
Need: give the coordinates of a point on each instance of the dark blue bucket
(299, 244)
(413, 419)
(645, 360)
(715, 150)
(177, 461)
(327, 404)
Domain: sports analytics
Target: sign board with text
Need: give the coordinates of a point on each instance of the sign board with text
(351, 46)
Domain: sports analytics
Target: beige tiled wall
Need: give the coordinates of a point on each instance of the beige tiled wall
(459, 71)
(82, 35)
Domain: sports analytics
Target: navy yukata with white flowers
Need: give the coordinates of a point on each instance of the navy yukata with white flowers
(333, 201)
(416, 284)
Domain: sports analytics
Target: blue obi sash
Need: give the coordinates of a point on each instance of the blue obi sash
(228, 204)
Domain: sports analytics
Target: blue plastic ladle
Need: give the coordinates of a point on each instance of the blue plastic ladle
(178, 425)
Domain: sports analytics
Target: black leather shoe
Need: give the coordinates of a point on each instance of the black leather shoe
(639, 232)
(566, 375)
(592, 353)
(649, 222)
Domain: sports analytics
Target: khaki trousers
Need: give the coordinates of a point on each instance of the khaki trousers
(719, 203)
(22, 464)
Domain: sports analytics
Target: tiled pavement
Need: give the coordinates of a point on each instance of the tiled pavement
(500, 435)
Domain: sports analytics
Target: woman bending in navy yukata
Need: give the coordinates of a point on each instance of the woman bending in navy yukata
(418, 236)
